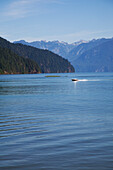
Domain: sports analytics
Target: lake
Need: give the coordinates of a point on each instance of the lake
(53, 123)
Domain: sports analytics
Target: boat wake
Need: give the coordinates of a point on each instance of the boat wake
(79, 80)
(83, 80)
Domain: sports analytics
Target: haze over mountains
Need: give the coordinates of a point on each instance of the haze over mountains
(85, 56)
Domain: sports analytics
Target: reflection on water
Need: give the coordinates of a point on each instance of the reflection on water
(54, 123)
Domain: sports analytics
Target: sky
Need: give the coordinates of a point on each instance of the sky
(63, 20)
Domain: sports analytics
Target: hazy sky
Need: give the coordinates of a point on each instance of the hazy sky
(63, 20)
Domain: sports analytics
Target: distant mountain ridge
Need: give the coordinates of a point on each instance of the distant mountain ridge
(97, 59)
(77, 53)
(42, 60)
(83, 47)
(57, 47)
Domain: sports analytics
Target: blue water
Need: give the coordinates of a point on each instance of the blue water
(53, 123)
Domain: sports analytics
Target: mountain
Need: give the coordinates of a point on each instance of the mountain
(83, 47)
(47, 61)
(11, 63)
(96, 59)
(98, 51)
(57, 47)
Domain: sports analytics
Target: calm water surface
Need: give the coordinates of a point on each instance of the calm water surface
(54, 123)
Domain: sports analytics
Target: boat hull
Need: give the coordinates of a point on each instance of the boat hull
(74, 79)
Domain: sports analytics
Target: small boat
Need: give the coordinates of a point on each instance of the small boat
(74, 79)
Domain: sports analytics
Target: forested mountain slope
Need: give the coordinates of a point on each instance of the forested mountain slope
(47, 61)
(11, 63)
